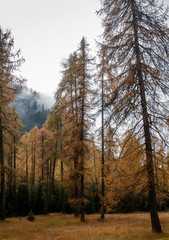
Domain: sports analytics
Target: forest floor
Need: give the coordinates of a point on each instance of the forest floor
(58, 226)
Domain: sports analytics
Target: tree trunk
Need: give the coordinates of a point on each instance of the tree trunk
(94, 159)
(47, 187)
(76, 214)
(156, 227)
(52, 177)
(81, 129)
(14, 160)
(62, 190)
(33, 164)
(26, 165)
(76, 192)
(82, 193)
(82, 155)
(42, 156)
(10, 175)
(53, 172)
(82, 163)
(2, 174)
(102, 169)
(50, 183)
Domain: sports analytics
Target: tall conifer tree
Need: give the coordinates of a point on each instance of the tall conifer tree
(101, 76)
(136, 42)
(84, 77)
(74, 91)
(69, 105)
(9, 63)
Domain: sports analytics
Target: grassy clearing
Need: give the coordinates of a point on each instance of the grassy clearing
(65, 227)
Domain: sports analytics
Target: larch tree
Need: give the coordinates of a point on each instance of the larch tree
(12, 136)
(9, 64)
(41, 138)
(24, 156)
(73, 67)
(70, 107)
(136, 41)
(74, 91)
(53, 145)
(85, 90)
(63, 107)
(102, 93)
(33, 140)
(100, 102)
(161, 175)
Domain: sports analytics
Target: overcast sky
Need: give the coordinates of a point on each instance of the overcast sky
(47, 31)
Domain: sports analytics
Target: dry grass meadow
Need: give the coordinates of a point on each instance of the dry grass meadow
(65, 227)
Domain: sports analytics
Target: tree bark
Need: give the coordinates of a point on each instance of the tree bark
(42, 156)
(33, 164)
(82, 164)
(82, 131)
(2, 173)
(102, 169)
(76, 214)
(26, 164)
(82, 160)
(14, 160)
(62, 190)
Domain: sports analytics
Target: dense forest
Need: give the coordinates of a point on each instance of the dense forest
(103, 146)
(32, 108)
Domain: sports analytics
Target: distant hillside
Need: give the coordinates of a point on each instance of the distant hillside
(33, 108)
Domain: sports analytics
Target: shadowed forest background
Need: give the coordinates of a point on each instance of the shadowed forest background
(103, 145)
